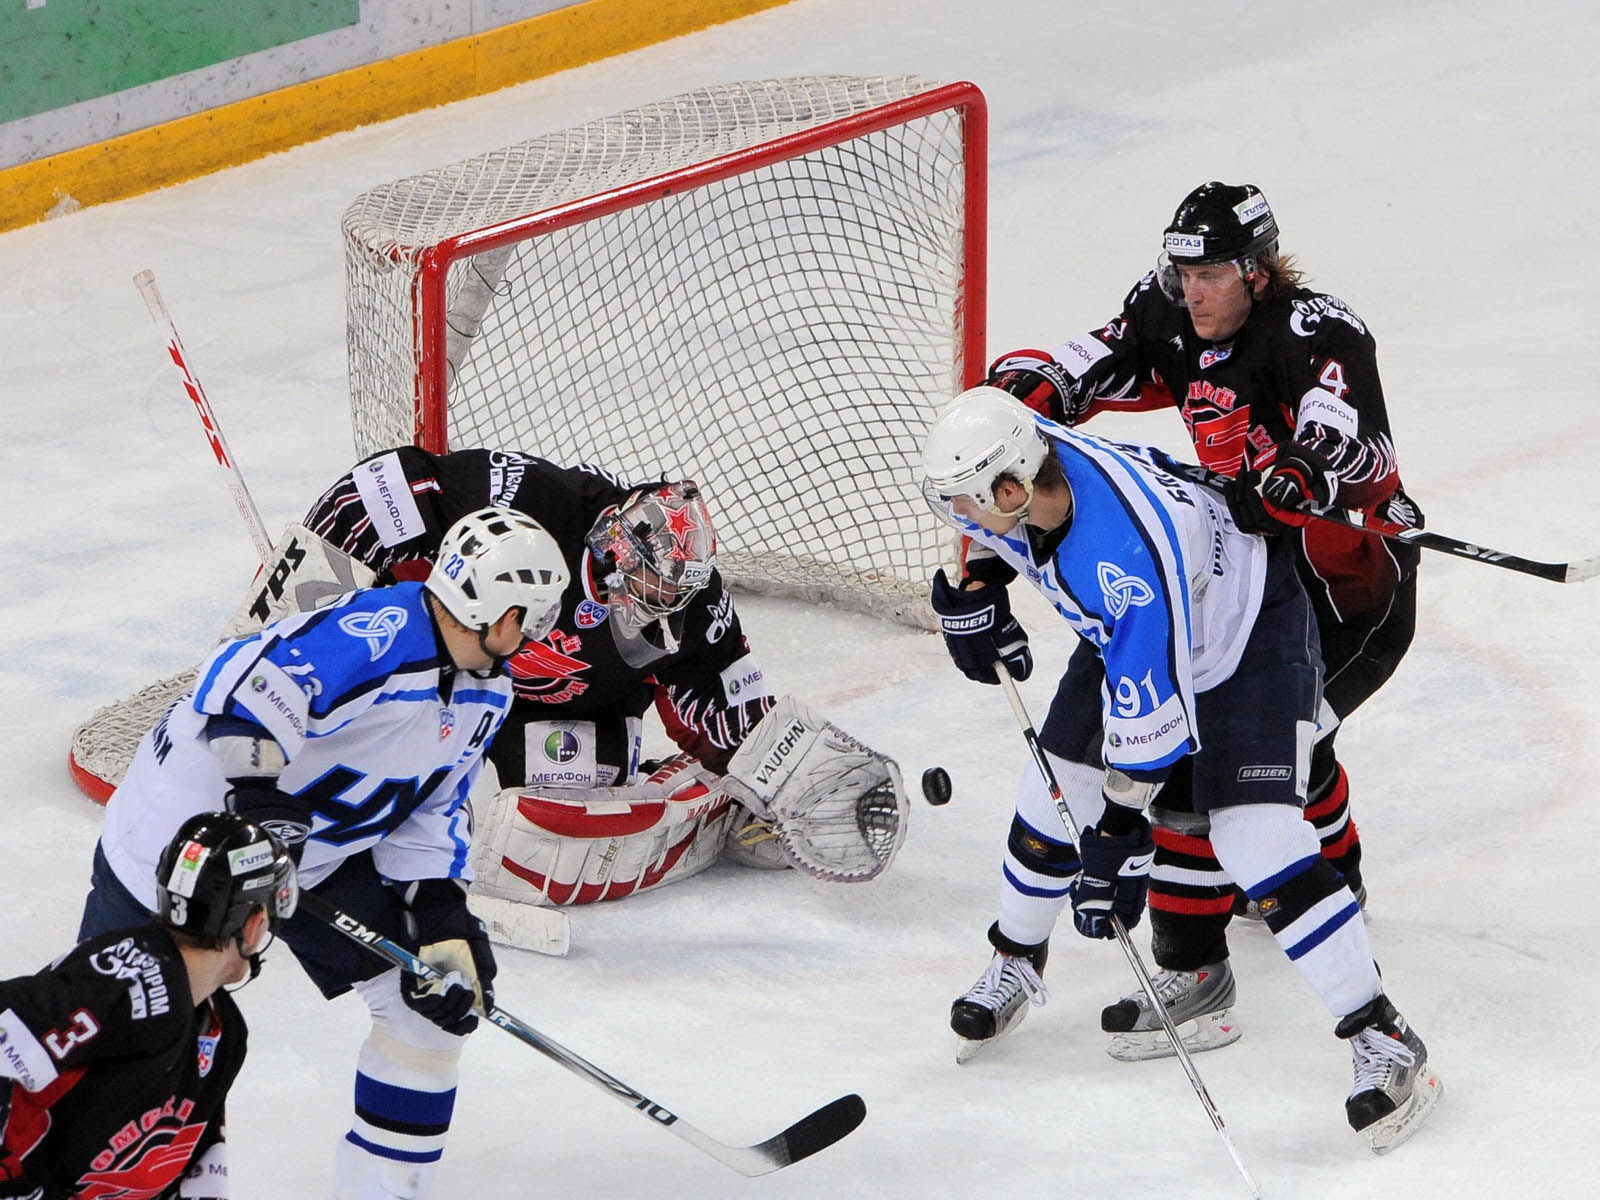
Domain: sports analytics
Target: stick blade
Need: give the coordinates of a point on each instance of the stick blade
(818, 1131)
(1586, 568)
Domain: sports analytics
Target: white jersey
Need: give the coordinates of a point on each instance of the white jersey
(383, 736)
(1154, 573)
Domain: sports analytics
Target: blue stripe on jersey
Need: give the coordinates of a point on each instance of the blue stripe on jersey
(321, 711)
(222, 657)
(458, 831)
(1030, 890)
(478, 696)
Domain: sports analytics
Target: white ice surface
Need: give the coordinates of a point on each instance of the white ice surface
(1436, 164)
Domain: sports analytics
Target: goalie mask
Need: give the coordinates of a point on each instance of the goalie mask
(654, 551)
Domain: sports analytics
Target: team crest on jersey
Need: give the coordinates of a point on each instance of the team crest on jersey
(447, 724)
(546, 672)
(721, 618)
(1122, 591)
(589, 614)
(378, 629)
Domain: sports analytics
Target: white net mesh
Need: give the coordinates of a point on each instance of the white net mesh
(783, 334)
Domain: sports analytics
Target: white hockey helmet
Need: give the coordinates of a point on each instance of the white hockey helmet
(982, 434)
(656, 550)
(496, 559)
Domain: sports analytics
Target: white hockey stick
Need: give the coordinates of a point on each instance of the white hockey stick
(1135, 960)
(145, 281)
(805, 1137)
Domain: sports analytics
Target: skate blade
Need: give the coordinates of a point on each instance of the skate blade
(969, 1048)
(1209, 1031)
(1383, 1136)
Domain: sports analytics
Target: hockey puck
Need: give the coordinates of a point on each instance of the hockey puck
(936, 786)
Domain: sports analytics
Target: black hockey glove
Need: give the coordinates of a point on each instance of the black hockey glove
(1300, 477)
(1116, 874)
(279, 813)
(980, 631)
(450, 938)
(1040, 382)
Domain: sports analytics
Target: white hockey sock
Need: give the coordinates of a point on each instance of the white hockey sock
(404, 1095)
(1032, 899)
(1318, 925)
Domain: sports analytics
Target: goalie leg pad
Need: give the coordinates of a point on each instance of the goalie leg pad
(838, 807)
(579, 846)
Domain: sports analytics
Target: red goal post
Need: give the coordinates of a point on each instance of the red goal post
(768, 287)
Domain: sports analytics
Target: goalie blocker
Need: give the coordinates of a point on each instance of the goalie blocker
(799, 792)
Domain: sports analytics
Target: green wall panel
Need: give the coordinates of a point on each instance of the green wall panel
(63, 51)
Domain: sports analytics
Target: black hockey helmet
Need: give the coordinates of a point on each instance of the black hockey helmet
(1218, 223)
(217, 870)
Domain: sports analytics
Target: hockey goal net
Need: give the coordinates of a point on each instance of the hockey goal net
(768, 287)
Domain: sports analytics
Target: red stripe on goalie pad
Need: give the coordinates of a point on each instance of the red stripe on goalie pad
(1182, 843)
(588, 893)
(595, 819)
(1188, 906)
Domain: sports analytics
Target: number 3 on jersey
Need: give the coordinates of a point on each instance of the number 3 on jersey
(60, 1042)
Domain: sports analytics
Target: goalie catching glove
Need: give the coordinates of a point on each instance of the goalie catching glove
(837, 808)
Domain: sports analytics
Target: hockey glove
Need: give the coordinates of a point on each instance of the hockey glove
(1301, 477)
(1115, 879)
(1039, 381)
(980, 631)
(450, 938)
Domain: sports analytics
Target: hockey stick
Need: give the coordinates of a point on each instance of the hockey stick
(1134, 958)
(1567, 572)
(145, 281)
(804, 1138)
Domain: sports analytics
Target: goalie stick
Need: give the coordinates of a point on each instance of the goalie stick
(1564, 572)
(1134, 959)
(805, 1137)
(145, 281)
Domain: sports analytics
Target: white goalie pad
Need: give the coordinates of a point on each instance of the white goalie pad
(838, 807)
(582, 845)
(306, 573)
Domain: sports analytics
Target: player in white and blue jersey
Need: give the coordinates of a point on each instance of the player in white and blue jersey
(1210, 664)
(355, 733)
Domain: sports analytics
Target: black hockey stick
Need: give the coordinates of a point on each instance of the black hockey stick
(1128, 948)
(801, 1140)
(1572, 572)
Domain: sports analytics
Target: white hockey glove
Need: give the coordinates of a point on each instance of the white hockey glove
(837, 807)
(305, 573)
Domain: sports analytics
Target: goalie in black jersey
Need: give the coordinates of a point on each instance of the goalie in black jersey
(116, 1060)
(1269, 377)
(646, 621)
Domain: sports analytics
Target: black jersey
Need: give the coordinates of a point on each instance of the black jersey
(114, 1080)
(1303, 367)
(391, 512)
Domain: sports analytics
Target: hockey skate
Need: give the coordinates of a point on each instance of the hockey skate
(1395, 1088)
(996, 1004)
(1200, 1003)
